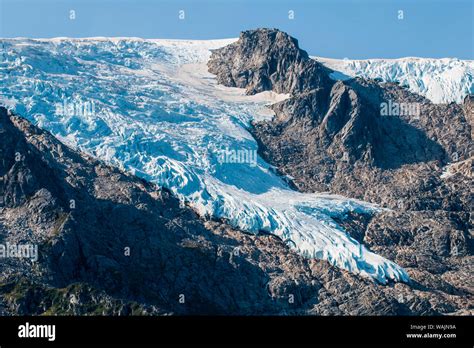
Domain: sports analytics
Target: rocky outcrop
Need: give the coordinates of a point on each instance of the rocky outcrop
(373, 141)
(354, 122)
(266, 59)
(360, 138)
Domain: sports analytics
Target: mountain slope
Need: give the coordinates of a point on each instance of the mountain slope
(177, 263)
(334, 131)
(159, 114)
(333, 136)
(171, 251)
(150, 107)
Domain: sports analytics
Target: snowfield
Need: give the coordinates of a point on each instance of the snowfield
(440, 80)
(151, 108)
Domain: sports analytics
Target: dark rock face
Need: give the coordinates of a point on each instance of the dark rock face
(338, 136)
(266, 60)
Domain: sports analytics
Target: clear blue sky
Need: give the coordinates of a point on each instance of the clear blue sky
(329, 28)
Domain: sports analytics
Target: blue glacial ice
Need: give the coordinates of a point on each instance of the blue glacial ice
(151, 108)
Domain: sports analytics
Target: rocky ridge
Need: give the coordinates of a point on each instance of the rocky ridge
(333, 136)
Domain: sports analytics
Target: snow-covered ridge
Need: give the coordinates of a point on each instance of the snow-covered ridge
(152, 108)
(440, 80)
